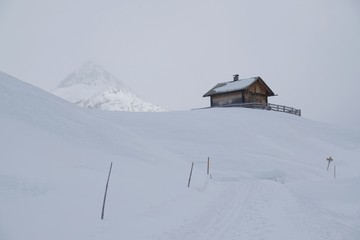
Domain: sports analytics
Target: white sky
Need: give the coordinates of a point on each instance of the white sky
(172, 52)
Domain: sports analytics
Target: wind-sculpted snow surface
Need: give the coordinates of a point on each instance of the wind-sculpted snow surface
(255, 210)
(268, 177)
(93, 87)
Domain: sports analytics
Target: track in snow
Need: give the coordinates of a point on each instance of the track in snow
(253, 210)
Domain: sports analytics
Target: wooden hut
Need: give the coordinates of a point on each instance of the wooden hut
(239, 91)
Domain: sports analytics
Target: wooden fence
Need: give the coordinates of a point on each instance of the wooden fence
(268, 106)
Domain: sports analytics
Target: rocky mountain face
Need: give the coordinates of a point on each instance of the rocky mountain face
(91, 86)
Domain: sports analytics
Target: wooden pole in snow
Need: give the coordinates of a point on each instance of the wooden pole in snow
(208, 166)
(329, 159)
(192, 166)
(106, 188)
(334, 171)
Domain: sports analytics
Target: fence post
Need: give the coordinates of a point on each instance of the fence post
(106, 188)
(192, 166)
(208, 166)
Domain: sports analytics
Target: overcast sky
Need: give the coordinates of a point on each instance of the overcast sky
(172, 52)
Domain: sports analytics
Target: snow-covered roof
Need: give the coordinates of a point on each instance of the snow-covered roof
(233, 86)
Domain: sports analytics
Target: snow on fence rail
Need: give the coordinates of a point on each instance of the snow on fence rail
(268, 106)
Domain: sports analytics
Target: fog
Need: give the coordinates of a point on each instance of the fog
(172, 52)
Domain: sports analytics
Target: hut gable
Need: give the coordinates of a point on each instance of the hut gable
(249, 90)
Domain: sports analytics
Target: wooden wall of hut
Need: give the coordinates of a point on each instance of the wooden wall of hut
(255, 93)
(226, 99)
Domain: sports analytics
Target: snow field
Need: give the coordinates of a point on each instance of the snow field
(269, 178)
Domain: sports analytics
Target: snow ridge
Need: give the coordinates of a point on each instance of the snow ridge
(93, 87)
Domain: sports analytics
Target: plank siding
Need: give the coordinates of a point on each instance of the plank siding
(256, 93)
(226, 99)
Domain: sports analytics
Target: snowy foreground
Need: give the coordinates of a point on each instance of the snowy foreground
(268, 173)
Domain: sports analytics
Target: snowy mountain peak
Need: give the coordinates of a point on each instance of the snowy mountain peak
(92, 74)
(91, 86)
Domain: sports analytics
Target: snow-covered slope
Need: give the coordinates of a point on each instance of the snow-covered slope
(268, 173)
(93, 87)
